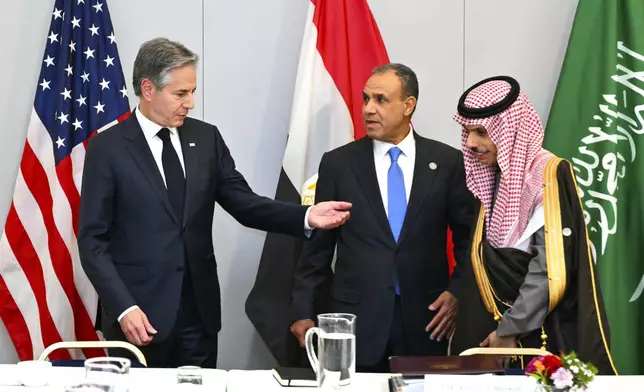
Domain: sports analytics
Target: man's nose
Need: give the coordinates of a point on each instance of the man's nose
(189, 102)
(369, 107)
(471, 141)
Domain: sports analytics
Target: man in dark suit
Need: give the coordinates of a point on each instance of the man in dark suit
(391, 269)
(148, 196)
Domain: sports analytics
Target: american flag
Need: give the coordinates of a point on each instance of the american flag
(45, 297)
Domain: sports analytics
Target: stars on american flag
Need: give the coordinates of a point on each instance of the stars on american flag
(63, 118)
(77, 125)
(89, 53)
(49, 60)
(94, 30)
(99, 107)
(81, 101)
(66, 94)
(81, 87)
(104, 84)
(53, 38)
(45, 84)
(57, 13)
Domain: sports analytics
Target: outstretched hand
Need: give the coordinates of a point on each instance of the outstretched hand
(329, 214)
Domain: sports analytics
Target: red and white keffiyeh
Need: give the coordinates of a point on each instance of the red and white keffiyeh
(518, 135)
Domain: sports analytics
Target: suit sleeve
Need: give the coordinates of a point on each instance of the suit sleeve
(95, 217)
(314, 267)
(461, 217)
(529, 310)
(251, 210)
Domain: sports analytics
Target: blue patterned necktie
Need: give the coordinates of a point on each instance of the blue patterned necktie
(396, 196)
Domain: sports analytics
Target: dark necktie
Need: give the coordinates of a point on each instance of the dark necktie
(174, 178)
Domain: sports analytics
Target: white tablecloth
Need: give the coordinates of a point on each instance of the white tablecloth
(258, 380)
(262, 380)
(140, 380)
(529, 384)
(617, 384)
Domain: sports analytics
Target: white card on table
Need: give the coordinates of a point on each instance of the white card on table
(478, 383)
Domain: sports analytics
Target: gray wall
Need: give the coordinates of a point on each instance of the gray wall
(249, 51)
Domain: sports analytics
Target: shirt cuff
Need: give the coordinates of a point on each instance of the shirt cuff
(128, 310)
(307, 227)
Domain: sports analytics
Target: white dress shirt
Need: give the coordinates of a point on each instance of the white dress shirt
(406, 161)
(150, 130)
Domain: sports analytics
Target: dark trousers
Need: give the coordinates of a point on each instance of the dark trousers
(396, 346)
(187, 344)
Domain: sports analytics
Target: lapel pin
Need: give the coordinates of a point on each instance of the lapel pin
(433, 166)
(191, 144)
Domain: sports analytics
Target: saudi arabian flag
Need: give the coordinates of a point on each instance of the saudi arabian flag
(597, 123)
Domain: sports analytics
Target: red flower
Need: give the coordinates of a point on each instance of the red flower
(551, 364)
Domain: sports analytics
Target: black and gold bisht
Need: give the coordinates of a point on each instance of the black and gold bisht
(576, 320)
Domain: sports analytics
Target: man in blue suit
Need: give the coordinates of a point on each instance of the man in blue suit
(149, 189)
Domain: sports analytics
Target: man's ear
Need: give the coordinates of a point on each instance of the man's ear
(410, 105)
(147, 89)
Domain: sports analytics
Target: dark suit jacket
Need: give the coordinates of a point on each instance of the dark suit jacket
(368, 258)
(133, 248)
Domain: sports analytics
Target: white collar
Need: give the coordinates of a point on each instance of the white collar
(407, 145)
(150, 128)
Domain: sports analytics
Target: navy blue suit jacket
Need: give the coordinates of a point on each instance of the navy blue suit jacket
(132, 246)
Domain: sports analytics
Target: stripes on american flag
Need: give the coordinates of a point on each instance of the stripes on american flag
(45, 297)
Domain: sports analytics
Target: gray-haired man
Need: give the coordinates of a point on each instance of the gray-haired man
(149, 189)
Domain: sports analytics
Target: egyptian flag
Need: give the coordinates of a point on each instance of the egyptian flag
(341, 46)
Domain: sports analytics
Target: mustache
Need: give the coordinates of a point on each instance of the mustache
(480, 150)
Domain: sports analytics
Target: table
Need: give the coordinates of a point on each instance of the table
(262, 380)
(617, 383)
(141, 379)
(529, 384)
